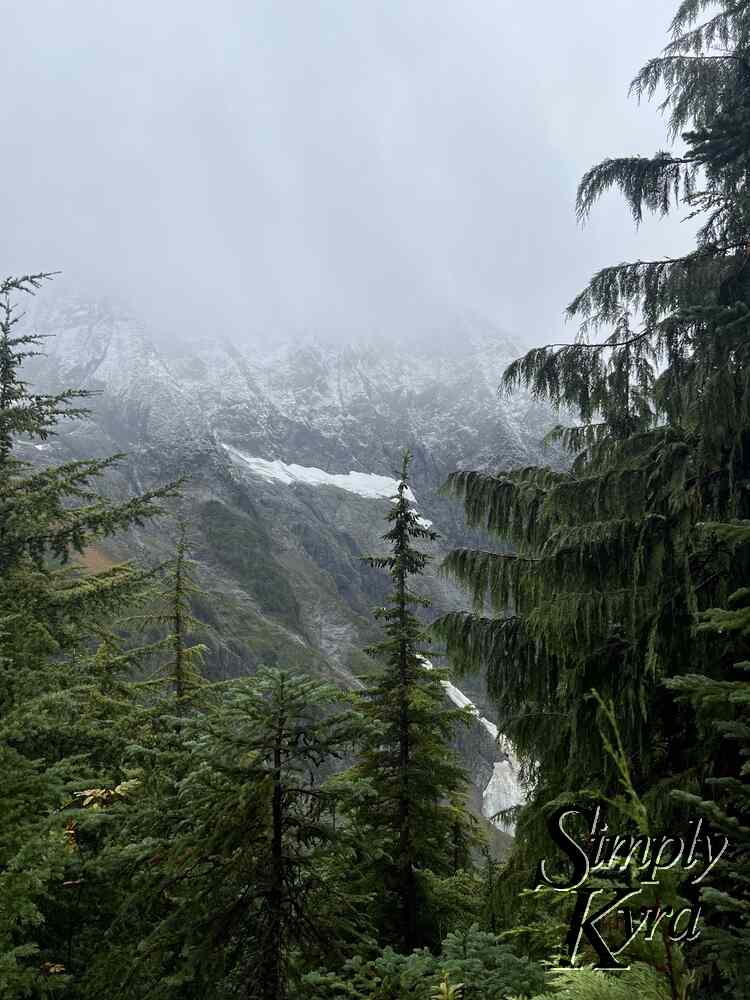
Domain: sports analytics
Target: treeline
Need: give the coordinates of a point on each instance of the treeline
(275, 837)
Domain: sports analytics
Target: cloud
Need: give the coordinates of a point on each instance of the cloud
(270, 165)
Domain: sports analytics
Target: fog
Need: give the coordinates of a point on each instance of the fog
(343, 165)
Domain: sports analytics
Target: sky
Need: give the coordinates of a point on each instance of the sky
(263, 166)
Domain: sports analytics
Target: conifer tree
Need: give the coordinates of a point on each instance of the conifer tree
(48, 514)
(722, 705)
(58, 706)
(407, 761)
(183, 670)
(153, 752)
(486, 966)
(606, 571)
(179, 659)
(250, 879)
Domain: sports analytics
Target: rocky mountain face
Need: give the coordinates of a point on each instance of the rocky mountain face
(290, 449)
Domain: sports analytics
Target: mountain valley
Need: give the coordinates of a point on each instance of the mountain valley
(289, 450)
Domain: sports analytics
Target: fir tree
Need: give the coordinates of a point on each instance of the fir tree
(246, 881)
(487, 968)
(414, 776)
(606, 571)
(48, 515)
(183, 669)
(170, 599)
(59, 700)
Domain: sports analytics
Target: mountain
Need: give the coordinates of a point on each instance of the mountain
(291, 448)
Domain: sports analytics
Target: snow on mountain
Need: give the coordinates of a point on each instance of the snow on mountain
(291, 449)
(504, 790)
(312, 403)
(364, 484)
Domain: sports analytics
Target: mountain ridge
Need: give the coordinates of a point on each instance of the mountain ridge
(280, 553)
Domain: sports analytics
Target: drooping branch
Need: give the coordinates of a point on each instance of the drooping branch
(692, 83)
(654, 287)
(654, 183)
(720, 29)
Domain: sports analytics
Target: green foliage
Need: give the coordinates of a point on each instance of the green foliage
(245, 865)
(170, 603)
(599, 570)
(486, 969)
(455, 901)
(586, 984)
(242, 544)
(61, 707)
(162, 837)
(723, 710)
(411, 785)
(32, 862)
(195, 843)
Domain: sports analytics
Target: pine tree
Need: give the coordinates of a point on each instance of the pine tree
(183, 670)
(248, 880)
(48, 515)
(606, 570)
(415, 779)
(60, 704)
(170, 599)
(155, 650)
(487, 968)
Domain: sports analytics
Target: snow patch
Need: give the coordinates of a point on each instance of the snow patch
(30, 444)
(504, 789)
(459, 698)
(364, 484)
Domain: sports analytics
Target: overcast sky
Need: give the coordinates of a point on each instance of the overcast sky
(332, 164)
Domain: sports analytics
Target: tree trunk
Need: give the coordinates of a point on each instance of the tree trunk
(273, 984)
(408, 886)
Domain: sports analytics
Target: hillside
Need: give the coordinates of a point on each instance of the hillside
(290, 449)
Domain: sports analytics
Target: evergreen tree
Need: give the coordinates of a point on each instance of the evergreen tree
(723, 709)
(415, 780)
(59, 699)
(486, 967)
(246, 882)
(137, 794)
(606, 570)
(179, 659)
(49, 514)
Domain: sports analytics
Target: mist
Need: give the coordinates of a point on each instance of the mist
(262, 167)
